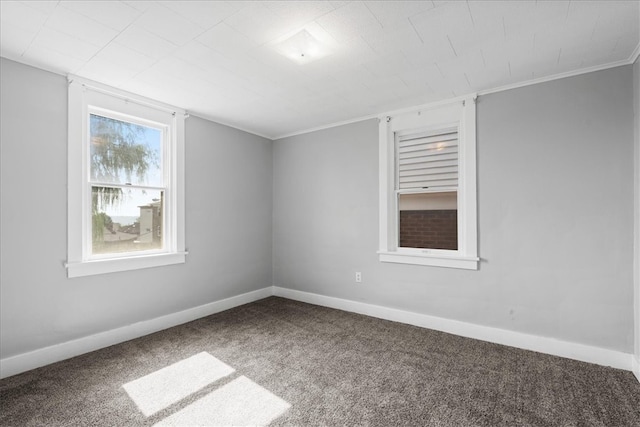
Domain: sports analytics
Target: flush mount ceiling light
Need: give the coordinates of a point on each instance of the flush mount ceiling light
(302, 47)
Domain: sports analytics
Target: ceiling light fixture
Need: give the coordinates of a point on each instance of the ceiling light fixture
(303, 48)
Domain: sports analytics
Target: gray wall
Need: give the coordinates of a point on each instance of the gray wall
(636, 260)
(555, 175)
(228, 224)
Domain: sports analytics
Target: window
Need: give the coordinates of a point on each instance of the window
(125, 182)
(428, 186)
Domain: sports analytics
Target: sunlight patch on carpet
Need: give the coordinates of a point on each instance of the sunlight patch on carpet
(241, 402)
(162, 388)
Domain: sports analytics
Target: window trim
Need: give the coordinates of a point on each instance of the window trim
(462, 113)
(85, 97)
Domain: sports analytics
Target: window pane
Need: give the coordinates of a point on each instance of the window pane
(128, 220)
(428, 220)
(123, 152)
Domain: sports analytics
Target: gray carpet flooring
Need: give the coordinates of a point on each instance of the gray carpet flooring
(286, 363)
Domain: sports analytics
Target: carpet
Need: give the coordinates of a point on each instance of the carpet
(284, 363)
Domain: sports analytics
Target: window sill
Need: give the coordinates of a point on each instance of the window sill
(103, 266)
(449, 261)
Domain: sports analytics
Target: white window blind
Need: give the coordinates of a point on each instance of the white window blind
(427, 160)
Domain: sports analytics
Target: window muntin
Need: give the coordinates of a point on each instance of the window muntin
(426, 156)
(112, 194)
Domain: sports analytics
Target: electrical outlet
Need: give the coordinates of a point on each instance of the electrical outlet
(358, 277)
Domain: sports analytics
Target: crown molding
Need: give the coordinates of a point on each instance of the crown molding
(556, 77)
(632, 58)
(230, 125)
(634, 55)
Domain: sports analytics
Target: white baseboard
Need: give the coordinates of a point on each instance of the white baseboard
(23, 362)
(551, 346)
(34, 359)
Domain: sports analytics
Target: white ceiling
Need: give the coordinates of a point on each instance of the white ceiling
(217, 60)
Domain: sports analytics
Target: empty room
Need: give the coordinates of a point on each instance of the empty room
(320, 213)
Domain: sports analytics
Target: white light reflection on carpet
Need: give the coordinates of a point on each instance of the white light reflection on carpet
(241, 402)
(160, 389)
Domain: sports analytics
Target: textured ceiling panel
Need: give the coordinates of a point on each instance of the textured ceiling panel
(220, 59)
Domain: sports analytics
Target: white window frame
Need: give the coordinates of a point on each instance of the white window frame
(460, 113)
(85, 98)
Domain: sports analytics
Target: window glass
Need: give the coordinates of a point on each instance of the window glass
(125, 166)
(124, 153)
(428, 220)
(126, 220)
